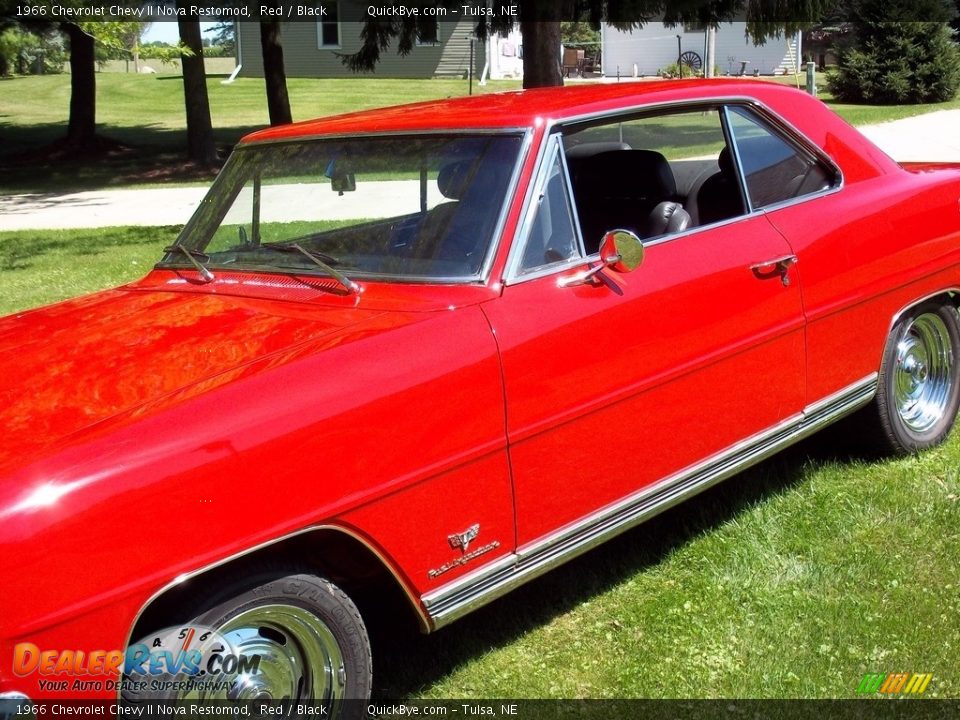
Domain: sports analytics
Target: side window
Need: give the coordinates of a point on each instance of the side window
(552, 237)
(774, 168)
(653, 174)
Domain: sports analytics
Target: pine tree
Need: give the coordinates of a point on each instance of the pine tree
(893, 59)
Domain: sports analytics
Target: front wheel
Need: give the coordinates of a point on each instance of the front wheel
(292, 637)
(919, 385)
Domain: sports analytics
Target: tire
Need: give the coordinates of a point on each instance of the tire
(308, 634)
(918, 389)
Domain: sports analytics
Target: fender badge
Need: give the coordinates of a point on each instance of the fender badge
(461, 541)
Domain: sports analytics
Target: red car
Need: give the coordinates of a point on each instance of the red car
(433, 351)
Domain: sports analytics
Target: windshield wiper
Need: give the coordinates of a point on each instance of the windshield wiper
(192, 256)
(322, 260)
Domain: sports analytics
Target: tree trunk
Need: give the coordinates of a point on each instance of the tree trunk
(274, 74)
(541, 53)
(81, 129)
(200, 147)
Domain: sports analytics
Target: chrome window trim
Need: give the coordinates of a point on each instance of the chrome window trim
(554, 149)
(773, 123)
(496, 237)
(538, 180)
(451, 601)
(568, 187)
(795, 137)
(712, 101)
(737, 160)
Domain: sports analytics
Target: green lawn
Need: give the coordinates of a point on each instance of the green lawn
(791, 580)
(867, 114)
(144, 113)
(42, 266)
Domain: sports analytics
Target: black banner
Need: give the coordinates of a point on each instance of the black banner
(855, 709)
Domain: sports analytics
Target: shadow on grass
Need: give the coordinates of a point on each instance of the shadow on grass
(33, 159)
(406, 662)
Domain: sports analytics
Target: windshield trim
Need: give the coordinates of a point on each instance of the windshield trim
(202, 215)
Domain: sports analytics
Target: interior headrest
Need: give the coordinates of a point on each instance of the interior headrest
(453, 179)
(725, 161)
(628, 173)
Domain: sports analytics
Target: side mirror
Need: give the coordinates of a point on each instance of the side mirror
(621, 251)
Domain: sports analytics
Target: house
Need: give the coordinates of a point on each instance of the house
(314, 48)
(652, 48)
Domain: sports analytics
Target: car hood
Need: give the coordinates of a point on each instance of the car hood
(70, 366)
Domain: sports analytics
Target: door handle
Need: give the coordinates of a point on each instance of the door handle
(778, 267)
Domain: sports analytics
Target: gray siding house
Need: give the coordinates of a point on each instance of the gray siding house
(312, 49)
(649, 49)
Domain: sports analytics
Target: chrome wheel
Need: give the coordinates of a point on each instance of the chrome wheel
(918, 388)
(299, 656)
(924, 372)
(274, 635)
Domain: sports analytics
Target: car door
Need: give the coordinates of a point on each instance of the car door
(615, 386)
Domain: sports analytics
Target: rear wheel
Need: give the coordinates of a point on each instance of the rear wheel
(919, 385)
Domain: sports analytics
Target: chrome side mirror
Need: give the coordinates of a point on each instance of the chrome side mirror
(620, 250)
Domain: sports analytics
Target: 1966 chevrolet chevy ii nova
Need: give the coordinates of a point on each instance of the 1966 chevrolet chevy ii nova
(443, 348)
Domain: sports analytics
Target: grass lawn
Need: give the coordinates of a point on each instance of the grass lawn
(867, 114)
(42, 266)
(144, 113)
(790, 580)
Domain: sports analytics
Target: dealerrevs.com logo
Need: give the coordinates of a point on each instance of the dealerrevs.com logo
(175, 660)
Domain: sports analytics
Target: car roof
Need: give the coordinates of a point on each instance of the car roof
(526, 108)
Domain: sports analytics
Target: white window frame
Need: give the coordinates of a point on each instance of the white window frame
(321, 23)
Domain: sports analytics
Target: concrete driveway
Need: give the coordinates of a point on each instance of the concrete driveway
(931, 137)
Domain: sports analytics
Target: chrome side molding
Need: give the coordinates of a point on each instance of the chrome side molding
(452, 601)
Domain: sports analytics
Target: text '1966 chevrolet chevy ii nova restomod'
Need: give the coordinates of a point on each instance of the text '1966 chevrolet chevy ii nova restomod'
(442, 348)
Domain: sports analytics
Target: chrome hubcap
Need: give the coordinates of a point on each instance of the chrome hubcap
(299, 657)
(924, 371)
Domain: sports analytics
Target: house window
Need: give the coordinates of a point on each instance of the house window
(328, 29)
(429, 36)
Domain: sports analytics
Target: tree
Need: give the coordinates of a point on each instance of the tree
(82, 125)
(23, 51)
(274, 74)
(579, 35)
(224, 37)
(200, 145)
(540, 26)
(892, 59)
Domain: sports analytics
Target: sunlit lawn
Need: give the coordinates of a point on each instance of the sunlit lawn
(145, 114)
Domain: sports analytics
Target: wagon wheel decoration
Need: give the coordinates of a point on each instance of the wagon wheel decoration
(691, 60)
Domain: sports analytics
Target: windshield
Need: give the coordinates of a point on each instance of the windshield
(410, 207)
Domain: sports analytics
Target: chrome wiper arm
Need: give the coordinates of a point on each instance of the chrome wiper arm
(192, 256)
(322, 260)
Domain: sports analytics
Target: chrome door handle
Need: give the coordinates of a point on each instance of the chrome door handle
(778, 267)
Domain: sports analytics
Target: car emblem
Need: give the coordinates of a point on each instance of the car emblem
(462, 540)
